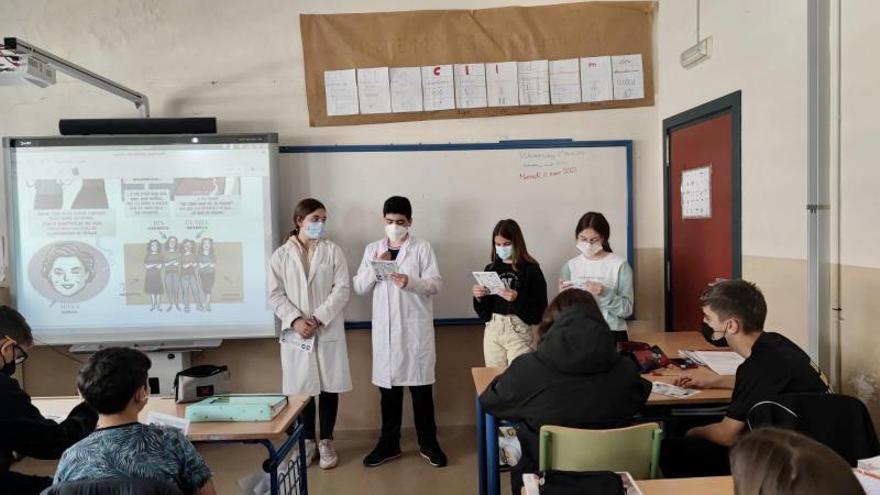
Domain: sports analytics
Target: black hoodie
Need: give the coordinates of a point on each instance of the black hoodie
(575, 378)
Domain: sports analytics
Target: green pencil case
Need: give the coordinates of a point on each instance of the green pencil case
(236, 408)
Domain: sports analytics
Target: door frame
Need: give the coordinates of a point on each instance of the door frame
(731, 103)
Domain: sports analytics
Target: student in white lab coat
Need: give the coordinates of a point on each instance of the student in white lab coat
(308, 288)
(601, 272)
(403, 332)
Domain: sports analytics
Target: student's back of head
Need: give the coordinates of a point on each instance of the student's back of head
(112, 378)
(771, 461)
(14, 326)
(566, 299)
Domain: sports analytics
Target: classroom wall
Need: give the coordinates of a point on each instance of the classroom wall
(241, 61)
(759, 48)
(860, 178)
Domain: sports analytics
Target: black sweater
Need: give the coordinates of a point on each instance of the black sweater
(575, 378)
(528, 281)
(25, 431)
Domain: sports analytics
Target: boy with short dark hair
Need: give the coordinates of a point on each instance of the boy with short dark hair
(23, 430)
(733, 314)
(114, 382)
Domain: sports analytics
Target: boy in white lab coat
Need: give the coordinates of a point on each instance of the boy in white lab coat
(403, 331)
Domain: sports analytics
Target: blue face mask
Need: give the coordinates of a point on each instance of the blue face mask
(314, 230)
(504, 252)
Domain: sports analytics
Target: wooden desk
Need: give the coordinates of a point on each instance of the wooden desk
(198, 432)
(714, 485)
(285, 427)
(670, 342)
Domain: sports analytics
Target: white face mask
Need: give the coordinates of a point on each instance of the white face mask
(589, 248)
(395, 232)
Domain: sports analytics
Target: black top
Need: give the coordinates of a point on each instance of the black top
(393, 252)
(575, 378)
(24, 430)
(776, 366)
(528, 281)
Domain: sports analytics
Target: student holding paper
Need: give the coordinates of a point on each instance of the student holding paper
(600, 272)
(308, 288)
(510, 313)
(403, 332)
(735, 310)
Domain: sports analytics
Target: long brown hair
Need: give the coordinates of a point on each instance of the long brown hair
(771, 461)
(303, 209)
(566, 299)
(596, 221)
(509, 229)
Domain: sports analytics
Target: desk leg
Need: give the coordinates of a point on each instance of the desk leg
(493, 478)
(481, 448)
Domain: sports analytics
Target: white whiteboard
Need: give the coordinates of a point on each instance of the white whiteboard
(458, 193)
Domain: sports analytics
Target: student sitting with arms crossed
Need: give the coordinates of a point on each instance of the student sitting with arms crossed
(734, 312)
(575, 378)
(23, 430)
(114, 382)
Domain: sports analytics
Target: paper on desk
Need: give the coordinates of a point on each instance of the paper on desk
(406, 89)
(438, 89)
(162, 419)
(629, 484)
(384, 268)
(670, 390)
(869, 482)
(491, 281)
(721, 362)
(565, 81)
(374, 95)
(596, 82)
(534, 82)
(502, 88)
(341, 93)
(629, 83)
(470, 85)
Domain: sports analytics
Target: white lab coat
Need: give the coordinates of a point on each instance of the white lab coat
(322, 294)
(403, 319)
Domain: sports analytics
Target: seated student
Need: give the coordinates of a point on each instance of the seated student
(784, 462)
(734, 313)
(114, 382)
(575, 378)
(23, 430)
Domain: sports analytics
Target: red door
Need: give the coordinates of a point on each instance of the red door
(702, 209)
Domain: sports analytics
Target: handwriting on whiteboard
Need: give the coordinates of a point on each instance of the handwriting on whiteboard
(548, 163)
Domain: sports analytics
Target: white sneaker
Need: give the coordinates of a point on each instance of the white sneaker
(329, 459)
(311, 451)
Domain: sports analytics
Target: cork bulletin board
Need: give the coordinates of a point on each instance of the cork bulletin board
(424, 38)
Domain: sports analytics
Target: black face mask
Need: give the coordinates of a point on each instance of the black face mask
(707, 334)
(8, 368)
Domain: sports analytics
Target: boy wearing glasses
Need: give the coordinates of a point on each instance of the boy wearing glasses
(23, 430)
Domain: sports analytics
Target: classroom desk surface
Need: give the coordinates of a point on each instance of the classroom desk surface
(714, 485)
(198, 432)
(671, 343)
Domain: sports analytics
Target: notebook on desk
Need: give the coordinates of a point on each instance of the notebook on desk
(237, 408)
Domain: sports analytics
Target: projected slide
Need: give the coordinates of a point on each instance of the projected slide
(143, 242)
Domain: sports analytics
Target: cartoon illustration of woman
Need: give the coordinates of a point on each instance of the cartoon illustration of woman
(68, 269)
(189, 263)
(171, 271)
(207, 270)
(153, 273)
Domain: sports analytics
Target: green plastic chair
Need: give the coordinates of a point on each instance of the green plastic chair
(635, 449)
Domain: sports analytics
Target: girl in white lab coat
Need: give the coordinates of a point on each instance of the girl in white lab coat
(308, 288)
(601, 272)
(403, 331)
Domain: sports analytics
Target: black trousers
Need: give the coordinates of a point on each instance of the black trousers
(327, 409)
(423, 413)
(693, 457)
(620, 336)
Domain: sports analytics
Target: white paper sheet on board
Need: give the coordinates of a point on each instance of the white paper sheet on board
(629, 80)
(470, 85)
(565, 81)
(340, 89)
(374, 94)
(596, 82)
(534, 82)
(696, 192)
(502, 89)
(406, 89)
(438, 89)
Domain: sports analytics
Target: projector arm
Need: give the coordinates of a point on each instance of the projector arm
(22, 48)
